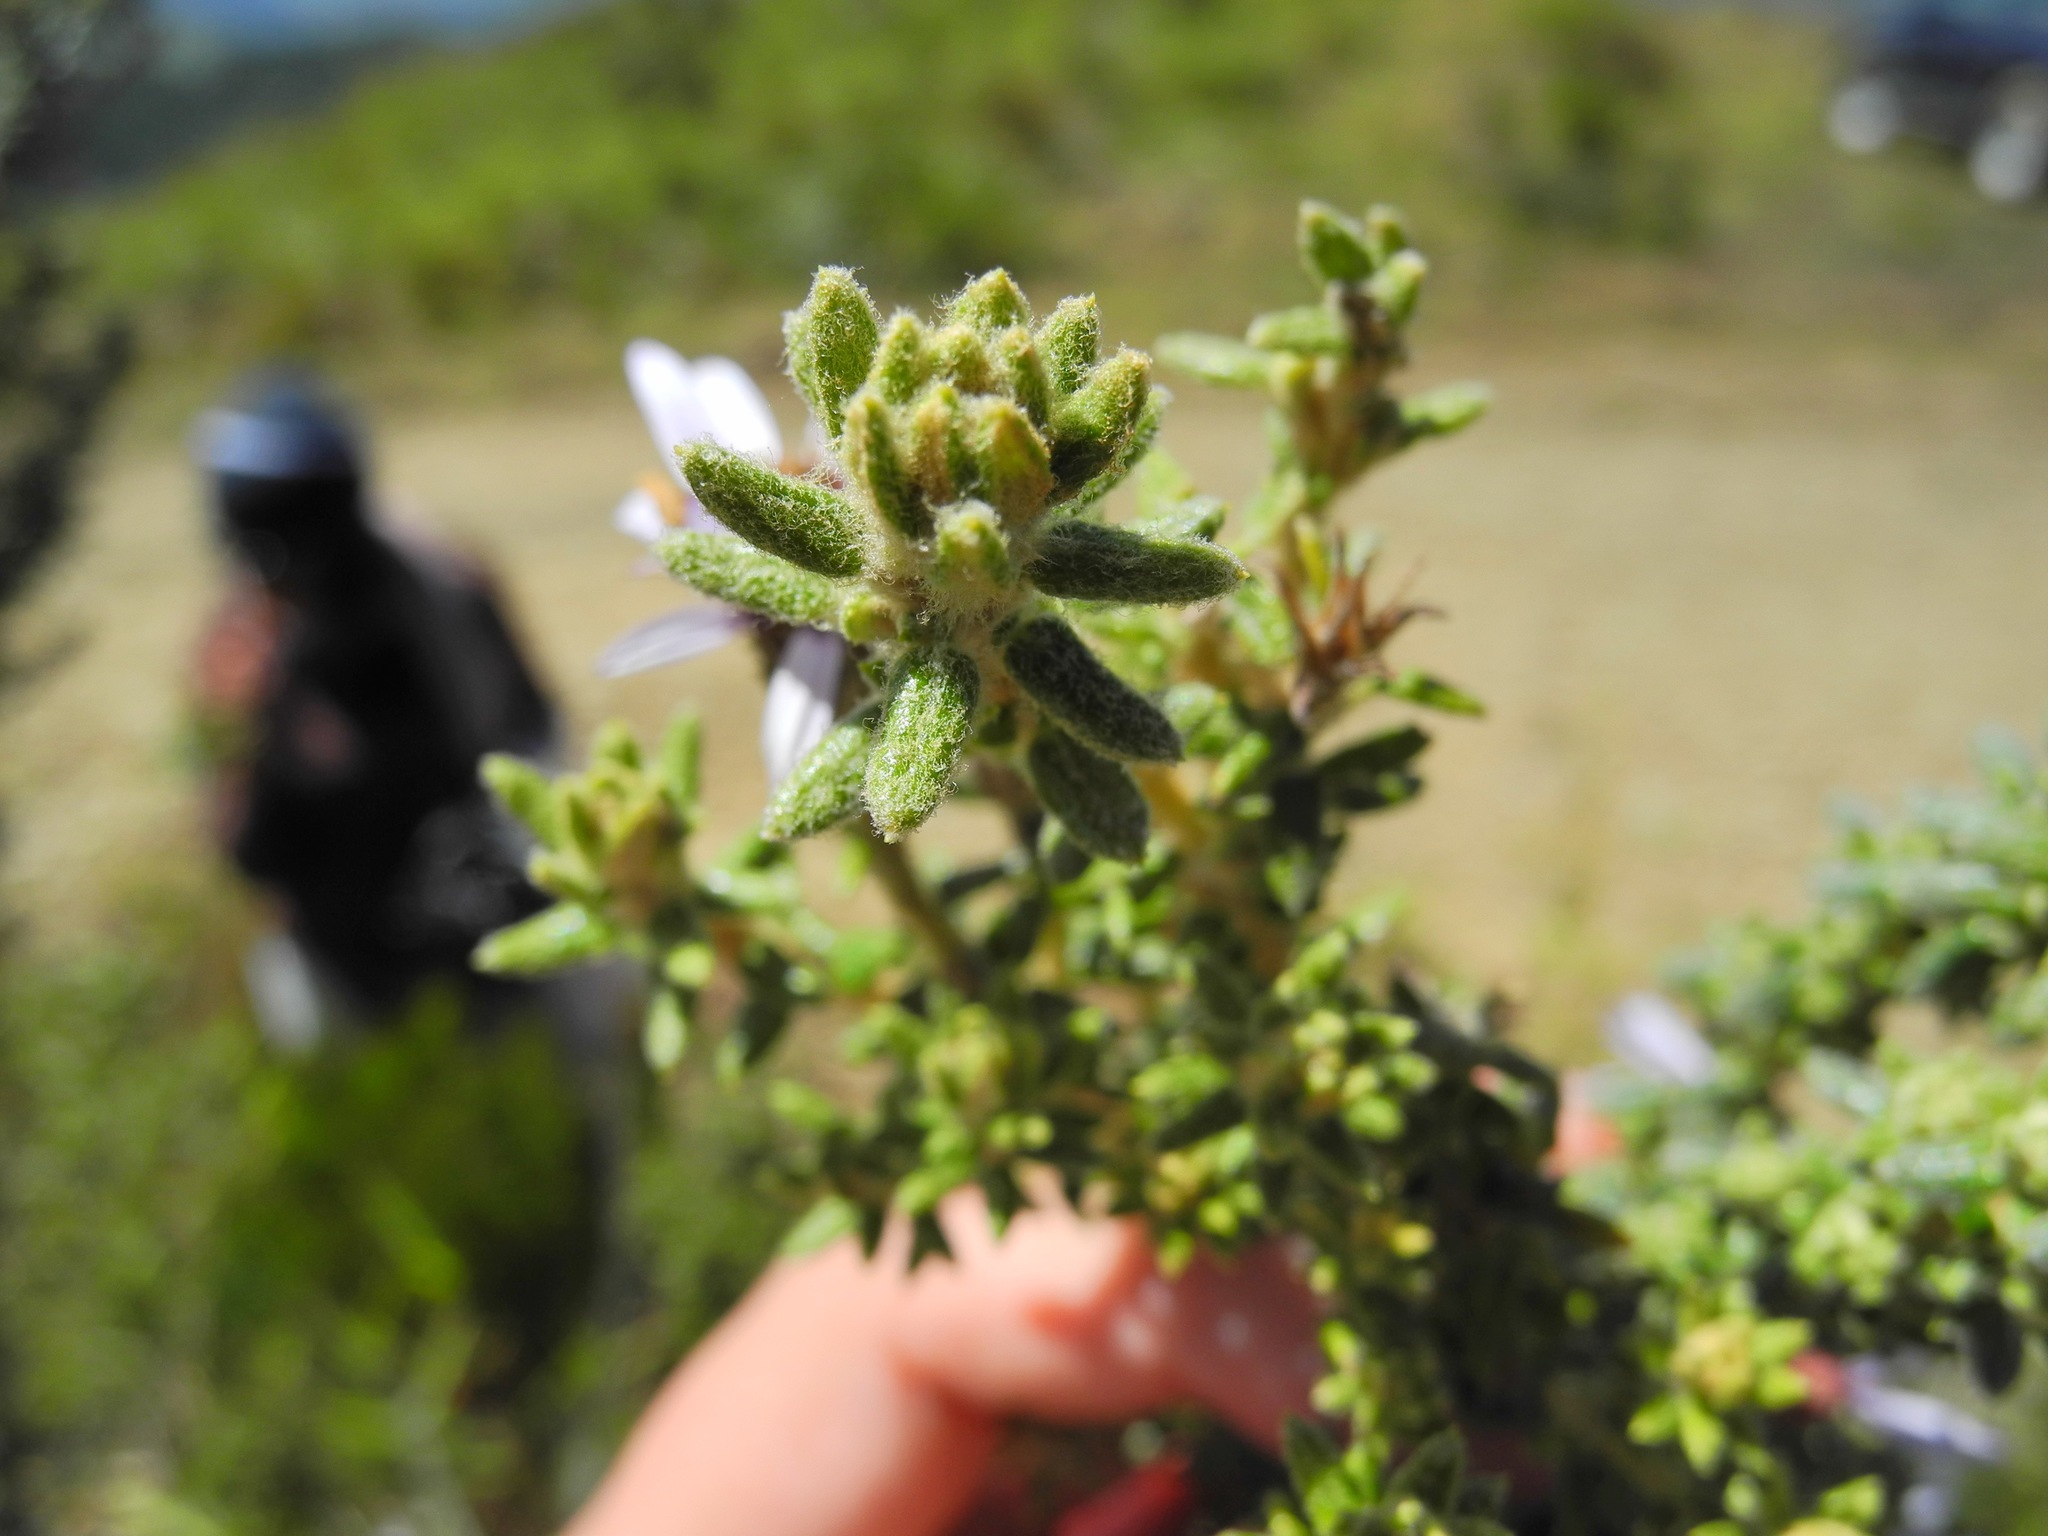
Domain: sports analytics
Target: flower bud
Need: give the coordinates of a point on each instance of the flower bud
(1093, 426)
(903, 361)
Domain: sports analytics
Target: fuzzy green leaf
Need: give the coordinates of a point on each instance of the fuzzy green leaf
(1070, 341)
(1441, 412)
(876, 463)
(960, 353)
(992, 302)
(1352, 778)
(1335, 247)
(1024, 375)
(1055, 667)
(1092, 427)
(831, 341)
(1013, 468)
(733, 571)
(1216, 359)
(524, 791)
(806, 524)
(972, 556)
(1397, 286)
(1101, 563)
(1432, 693)
(925, 726)
(680, 765)
(564, 935)
(903, 361)
(825, 788)
(1308, 328)
(1096, 799)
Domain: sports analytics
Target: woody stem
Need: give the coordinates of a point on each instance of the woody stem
(899, 878)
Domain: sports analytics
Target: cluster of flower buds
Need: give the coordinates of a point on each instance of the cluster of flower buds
(1326, 365)
(959, 512)
(611, 848)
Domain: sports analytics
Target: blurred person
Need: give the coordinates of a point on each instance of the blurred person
(349, 683)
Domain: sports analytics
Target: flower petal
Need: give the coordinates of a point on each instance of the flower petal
(1655, 1041)
(802, 701)
(666, 388)
(674, 636)
(736, 410)
(638, 516)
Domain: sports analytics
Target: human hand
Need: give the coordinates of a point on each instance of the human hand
(846, 1398)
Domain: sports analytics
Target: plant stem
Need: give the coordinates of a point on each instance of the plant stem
(899, 879)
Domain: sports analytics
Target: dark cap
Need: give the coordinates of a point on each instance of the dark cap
(280, 426)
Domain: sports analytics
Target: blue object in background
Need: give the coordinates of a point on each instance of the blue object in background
(293, 24)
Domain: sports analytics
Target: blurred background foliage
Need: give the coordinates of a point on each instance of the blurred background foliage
(615, 162)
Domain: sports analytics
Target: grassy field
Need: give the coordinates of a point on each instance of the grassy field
(1703, 586)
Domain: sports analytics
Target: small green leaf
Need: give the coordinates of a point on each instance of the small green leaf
(1013, 466)
(1334, 246)
(972, 556)
(1358, 778)
(1069, 342)
(1221, 360)
(1055, 667)
(1441, 412)
(564, 935)
(1095, 798)
(680, 764)
(1432, 693)
(1101, 563)
(1432, 1472)
(831, 341)
(960, 354)
(930, 714)
(825, 788)
(1092, 427)
(876, 464)
(1397, 286)
(524, 791)
(734, 571)
(1023, 371)
(903, 361)
(992, 302)
(1262, 624)
(1309, 328)
(804, 523)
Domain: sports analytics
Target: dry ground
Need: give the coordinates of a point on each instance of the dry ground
(1702, 589)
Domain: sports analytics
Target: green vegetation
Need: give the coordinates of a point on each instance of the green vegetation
(244, 1294)
(658, 156)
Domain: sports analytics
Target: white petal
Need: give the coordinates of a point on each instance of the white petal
(673, 637)
(1917, 1419)
(638, 516)
(736, 409)
(666, 388)
(802, 702)
(1654, 1040)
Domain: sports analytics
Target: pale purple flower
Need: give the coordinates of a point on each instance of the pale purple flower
(1655, 1041)
(713, 400)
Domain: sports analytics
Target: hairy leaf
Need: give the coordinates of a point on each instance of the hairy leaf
(806, 524)
(825, 788)
(1055, 667)
(924, 729)
(831, 341)
(1095, 798)
(1100, 563)
(721, 566)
